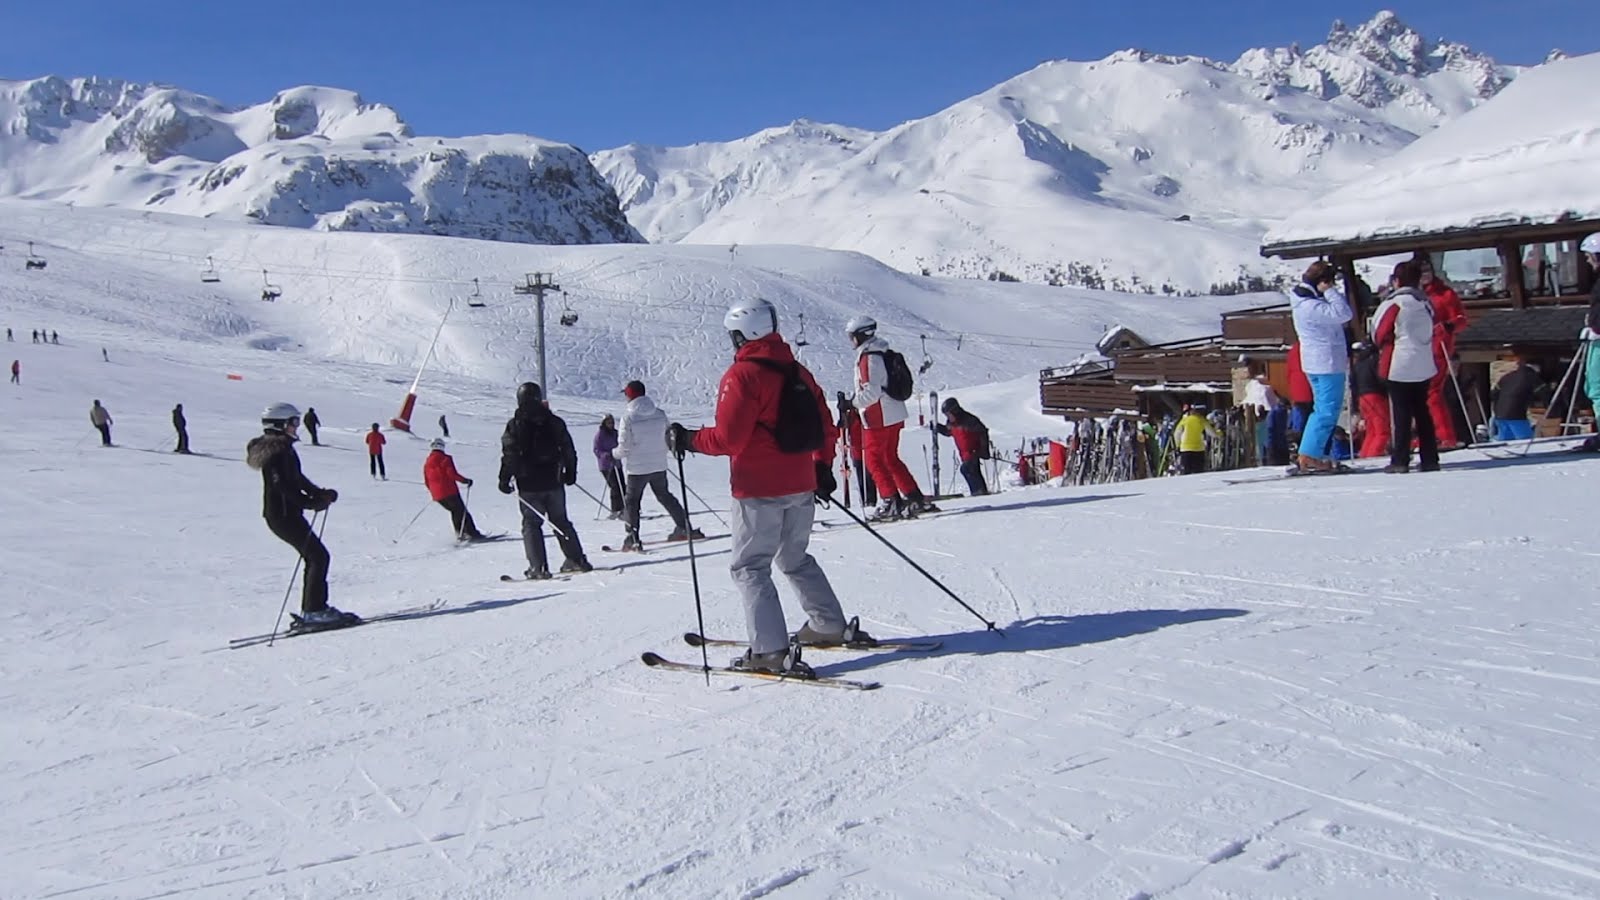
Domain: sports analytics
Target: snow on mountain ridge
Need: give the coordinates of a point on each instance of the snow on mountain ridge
(1141, 170)
(310, 157)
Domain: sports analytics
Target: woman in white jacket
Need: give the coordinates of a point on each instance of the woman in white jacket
(1320, 314)
(642, 447)
(1402, 329)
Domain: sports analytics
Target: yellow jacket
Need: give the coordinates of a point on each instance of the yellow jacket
(1191, 432)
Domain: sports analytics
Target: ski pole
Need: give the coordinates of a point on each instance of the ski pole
(924, 572)
(296, 571)
(697, 496)
(463, 511)
(694, 573)
(411, 523)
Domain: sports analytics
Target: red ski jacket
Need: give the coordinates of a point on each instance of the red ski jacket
(971, 438)
(1299, 384)
(747, 411)
(375, 442)
(440, 475)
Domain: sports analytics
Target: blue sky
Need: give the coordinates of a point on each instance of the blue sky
(608, 73)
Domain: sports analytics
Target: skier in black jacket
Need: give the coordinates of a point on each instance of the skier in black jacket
(537, 452)
(1511, 399)
(285, 493)
(180, 425)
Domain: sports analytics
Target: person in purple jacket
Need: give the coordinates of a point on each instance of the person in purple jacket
(605, 440)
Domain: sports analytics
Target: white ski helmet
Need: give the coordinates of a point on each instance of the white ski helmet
(1591, 244)
(436, 444)
(280, 414)
(748, 320)
(865, 326)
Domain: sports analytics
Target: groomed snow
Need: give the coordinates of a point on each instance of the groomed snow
(1369, 686)
(1527, 157)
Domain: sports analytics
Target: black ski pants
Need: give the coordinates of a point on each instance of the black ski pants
(460, 519)
(972, 471)
(105, 435)
(375, 465)
(1408, 404)
(864, 483)
(614, 485)
(657, 482)
(183, 441)
(537, 506)
(1194, 461)
(312, 430)
(297, 533)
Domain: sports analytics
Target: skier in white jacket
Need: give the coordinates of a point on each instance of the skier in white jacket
(642, 447)
(1402, 329)
(882, 419)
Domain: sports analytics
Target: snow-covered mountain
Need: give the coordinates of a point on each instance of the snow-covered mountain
(1140, 170)
(311, 157)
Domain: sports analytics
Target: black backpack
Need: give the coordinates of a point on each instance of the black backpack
(900, 379)
(799, 428)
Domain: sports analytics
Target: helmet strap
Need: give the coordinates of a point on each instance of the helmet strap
(738, 339)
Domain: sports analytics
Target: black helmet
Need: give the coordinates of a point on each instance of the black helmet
(949, 405)
(529, 394)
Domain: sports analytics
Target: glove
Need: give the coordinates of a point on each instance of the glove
(505, 487)
(331, 494)
(680, 440)
(468, 482)
(826, 484)
(1587, 334)
(570, 477)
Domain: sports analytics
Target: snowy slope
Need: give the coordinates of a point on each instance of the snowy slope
(311, 157)
(1076, 172)
(651, 312)
(1526, 158)
(1370, 686)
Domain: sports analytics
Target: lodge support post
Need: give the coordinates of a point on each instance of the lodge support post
(1358, 322)
(1511, 265)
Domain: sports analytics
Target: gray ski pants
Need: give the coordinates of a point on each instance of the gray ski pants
(778, 529)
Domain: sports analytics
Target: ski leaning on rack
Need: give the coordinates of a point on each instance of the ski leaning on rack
(411, 612)
(655, 661)
(910, 645)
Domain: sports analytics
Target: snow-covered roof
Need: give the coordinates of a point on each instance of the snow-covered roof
(1530, 156)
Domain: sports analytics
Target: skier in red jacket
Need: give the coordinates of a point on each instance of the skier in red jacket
(774, 493)
(1449, 318)
(375, 442)
(972, 443)
(440, 475)
(1300, 395)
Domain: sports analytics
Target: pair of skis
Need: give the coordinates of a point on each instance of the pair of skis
(298, 629)
(909, 645)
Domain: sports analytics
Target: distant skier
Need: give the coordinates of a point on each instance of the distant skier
(1511, 398)
(104, 356)
(375, 442)
(9, 338)
(180, 425)
(101, 419)
(1320, 312)
(312, 424)
(775, 493)
(440, 475)
(605, 441)
(1190, 433)
(285, 493)
(536, 453)
(1372, 400)
(882, 418)
(36, 335)
(16, 371)
(444, 427)
(55, 338)
(972, 443)
(1449, 318)
(642, 447)
(849, 426)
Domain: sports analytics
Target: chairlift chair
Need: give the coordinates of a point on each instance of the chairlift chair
(34, 261)
(271, 291)
(800, 335)
(475, 299)
(568, 317)
(209, 275)
(927, 361)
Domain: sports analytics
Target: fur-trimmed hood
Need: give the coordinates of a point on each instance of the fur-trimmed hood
(264, 447)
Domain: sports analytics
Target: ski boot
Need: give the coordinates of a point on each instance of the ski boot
(784, 662)
(581, 564)
(850, 634)
(678, 534)
(632, 544)
(537, 574)
(918, 504)
(888, 511)
(323, 619)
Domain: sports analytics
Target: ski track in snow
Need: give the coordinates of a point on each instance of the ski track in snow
(1202, 691)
